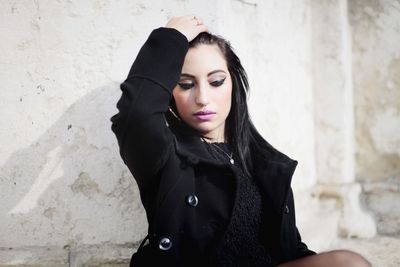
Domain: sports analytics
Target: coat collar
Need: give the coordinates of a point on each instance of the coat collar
(272, 169)
(194, 150)
(274, 175)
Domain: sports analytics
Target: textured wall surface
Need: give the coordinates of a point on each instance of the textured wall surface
(67, 198)
(334, 117)
(333, 92)
(64, 187)
(376, 63)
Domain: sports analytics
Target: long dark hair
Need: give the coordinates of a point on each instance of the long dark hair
(239, 130)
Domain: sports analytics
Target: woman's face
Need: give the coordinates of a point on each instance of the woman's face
(204, 91)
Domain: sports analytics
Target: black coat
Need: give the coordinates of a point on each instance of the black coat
(166, 165)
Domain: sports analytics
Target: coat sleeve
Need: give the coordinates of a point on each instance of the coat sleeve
(140, 127)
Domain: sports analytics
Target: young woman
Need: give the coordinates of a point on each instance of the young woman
(215, 192)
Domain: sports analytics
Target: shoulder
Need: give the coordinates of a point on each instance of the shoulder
(261, 150)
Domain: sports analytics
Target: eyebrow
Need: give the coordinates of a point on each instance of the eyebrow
(211, 73)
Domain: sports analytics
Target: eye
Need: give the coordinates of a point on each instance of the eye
(186, 85)
(218, 82)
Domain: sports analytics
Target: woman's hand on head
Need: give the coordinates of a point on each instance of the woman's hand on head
(190, 26)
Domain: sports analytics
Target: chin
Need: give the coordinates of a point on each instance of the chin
(203, 131)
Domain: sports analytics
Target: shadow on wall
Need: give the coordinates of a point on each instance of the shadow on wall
(70, 187)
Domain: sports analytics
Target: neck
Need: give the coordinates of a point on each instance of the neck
(212, 140)
(215, 137)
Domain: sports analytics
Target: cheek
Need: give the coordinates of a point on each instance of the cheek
(182, 102)
(226, 98)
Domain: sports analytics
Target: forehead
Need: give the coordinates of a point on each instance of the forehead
(204, 58)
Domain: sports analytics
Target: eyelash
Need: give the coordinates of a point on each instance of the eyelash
(187, 86)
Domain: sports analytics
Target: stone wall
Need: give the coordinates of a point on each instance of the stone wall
(376, 64)
(67, 197)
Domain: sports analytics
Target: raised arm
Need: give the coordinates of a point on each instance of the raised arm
(143, 137)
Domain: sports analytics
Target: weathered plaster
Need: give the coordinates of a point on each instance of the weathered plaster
(333, 92)
(62, 180)
(376, 63)
(376, 27)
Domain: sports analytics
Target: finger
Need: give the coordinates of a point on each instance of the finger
(199, 21)
(196, 21)
(203, 28)
(195, 18)
(189, 17)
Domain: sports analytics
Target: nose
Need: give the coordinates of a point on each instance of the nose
(201, 97)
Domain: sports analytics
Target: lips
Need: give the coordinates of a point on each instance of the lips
(204, 115)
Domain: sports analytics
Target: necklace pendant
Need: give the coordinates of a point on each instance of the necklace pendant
(232, 161)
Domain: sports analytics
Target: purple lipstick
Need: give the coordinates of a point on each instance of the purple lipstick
(204, 115)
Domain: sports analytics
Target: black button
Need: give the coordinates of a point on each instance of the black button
(287, 209)
(165, 243)
(192, 200)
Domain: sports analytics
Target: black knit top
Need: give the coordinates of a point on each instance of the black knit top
(241, 245)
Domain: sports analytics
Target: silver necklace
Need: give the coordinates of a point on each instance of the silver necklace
(231, 160)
